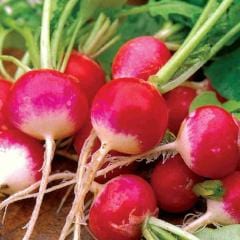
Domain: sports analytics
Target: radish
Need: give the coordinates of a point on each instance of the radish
(129, 116)
(5, 87)
(79, 140)
(47, 105)
(90, 74)
(140, 57)
(224, 211)
(121, 207)
(172, 182)
(21, 161)
(178, 101)
(207, 142)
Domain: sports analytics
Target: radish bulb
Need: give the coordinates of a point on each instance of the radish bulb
(173, 182)
(129, 116)
(207, 142)
(120, 208)
(90, 75)
(21, 161)
(225, 210)
(5, 87)
(140, 57)
(47, 105)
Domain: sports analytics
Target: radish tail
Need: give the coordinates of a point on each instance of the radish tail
(86, 150)
(49, 154)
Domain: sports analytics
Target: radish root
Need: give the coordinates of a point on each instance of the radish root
(48, 156)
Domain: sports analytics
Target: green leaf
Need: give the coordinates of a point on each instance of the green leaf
(112, 3)
(205, 98)
(224, 75)
(178, 11)
(231, 232)
(233, 107)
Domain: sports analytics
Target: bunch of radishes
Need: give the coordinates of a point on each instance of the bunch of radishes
(114, 124)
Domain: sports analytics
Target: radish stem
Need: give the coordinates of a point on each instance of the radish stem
(45, 47)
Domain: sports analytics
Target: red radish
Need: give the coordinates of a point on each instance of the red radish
(178, 101)
(121, 207)
(140, 57)
(129, 116)
(172, 182)
(21, 161)
(47, 105)
(79, 140)
(5, 87)
(225, 211)
(90, 74)
(207, 142)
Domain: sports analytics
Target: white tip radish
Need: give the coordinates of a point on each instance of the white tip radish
(47, 105)
(21, 160)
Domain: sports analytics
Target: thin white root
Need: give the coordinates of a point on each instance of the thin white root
(199, 223)
(85, 153)
(64, 198)
(13, 198)
(67, 155)
(119, 161)
(49, 154)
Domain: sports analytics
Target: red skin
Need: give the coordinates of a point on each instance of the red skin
(79, 140)
(5, 87)
(211, 134)
(120, 208)
(133, 107)
(178, 102)
(172, 183)
(90, 74)
(231, 198)
(140, 57)
(40, 93)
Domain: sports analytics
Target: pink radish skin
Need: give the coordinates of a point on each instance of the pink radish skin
(140, 57)
(129, 115)
(47, 105)
(172, 182)
(5, 87)
(90, 74)
(178, 102)
(21, 161)
(120, 208)
(207, 142)
(225, 211)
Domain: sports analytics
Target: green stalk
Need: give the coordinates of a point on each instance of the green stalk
(162, 234)
(58, 32)
(15, 61)
(71, 44)
(97, 37)
(202, 19)
(166, 73)
(168, 30)
(25, 61)
(45, 47)
(214, 50)
(32, 47)
(100, 21)
(171, 228)
(3, 71)
(105, 47)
